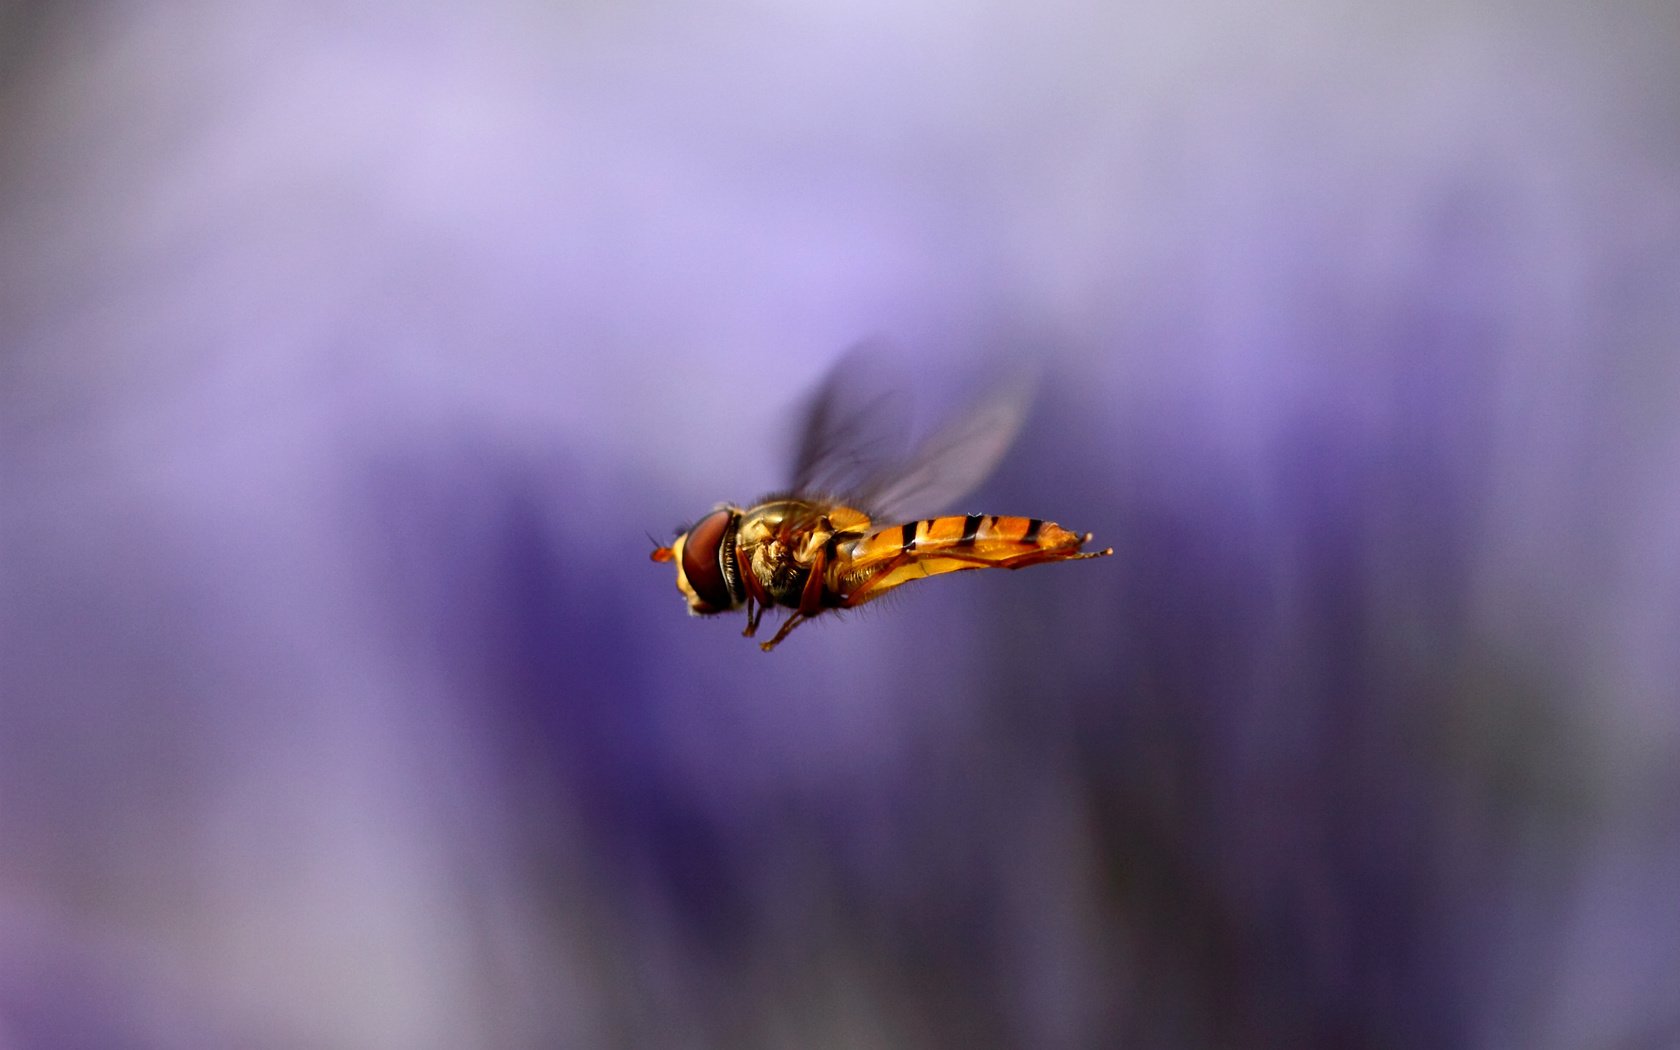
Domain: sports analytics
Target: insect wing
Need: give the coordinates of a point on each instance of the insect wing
(852, 441)
(851, 430)
(954, 460)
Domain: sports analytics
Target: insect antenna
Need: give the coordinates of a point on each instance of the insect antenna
(660, 551)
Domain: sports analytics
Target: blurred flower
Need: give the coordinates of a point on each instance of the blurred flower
(347, 355)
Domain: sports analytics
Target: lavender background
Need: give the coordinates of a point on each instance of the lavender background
(348, 352)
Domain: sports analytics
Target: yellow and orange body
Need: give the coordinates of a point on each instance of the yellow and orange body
(811, 556)
(813, 550)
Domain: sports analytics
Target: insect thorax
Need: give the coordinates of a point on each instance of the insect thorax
(779, 557)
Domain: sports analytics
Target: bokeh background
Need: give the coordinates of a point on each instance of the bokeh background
(349, 353)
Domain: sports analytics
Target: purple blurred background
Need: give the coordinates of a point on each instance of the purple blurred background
(349, 352)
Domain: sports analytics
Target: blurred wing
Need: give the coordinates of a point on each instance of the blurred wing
(852, 430)
(953, 461)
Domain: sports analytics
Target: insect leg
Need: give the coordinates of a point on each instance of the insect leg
(810, 597)
(872, 587)
(754, 611)
(913, 565)
(794, 619)
(810, 603)
(1021, 561)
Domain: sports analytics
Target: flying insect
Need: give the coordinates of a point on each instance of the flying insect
(841, 535)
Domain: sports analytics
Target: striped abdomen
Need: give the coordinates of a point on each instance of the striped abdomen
(901, 553)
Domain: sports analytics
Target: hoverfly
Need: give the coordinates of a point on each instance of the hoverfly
(820, 545)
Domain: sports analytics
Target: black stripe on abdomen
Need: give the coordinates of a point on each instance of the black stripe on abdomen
(1033, 525)
(971, 529)
(908, 535)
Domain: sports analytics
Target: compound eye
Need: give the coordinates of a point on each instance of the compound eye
(707, 560)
